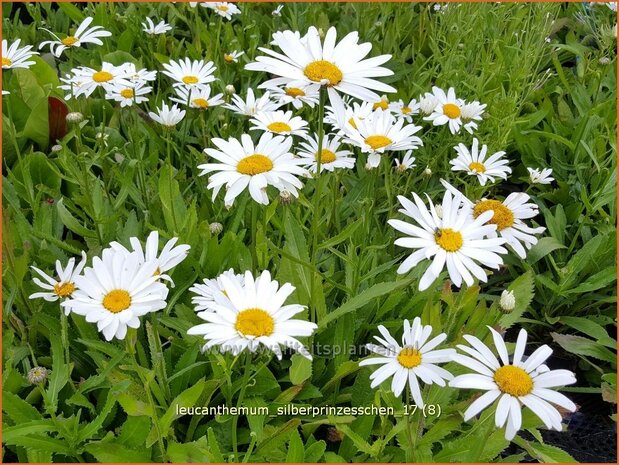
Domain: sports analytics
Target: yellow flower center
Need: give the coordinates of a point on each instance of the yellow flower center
(6, 62)
(503, 217)
(254, 164)
(64, 289)
(321, 70)
(102, 76)
(223, 8)
(69, 41)
(279, 127)
(127, 93)
(406, 110)
(513, 380)
(327, 156)
(117, 300)
(190, 80)
(478, 167)
(294, 92)
(377, 142)
(157, 272)
(451, 110)
(228, 58)
(200, 102)
(448, 239)
(351, 121)
(409, 357)
(383, 104)
(254, 322)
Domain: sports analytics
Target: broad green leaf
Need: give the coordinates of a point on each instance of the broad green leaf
(300, 369)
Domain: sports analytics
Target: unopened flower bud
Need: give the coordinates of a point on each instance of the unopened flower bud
(507, 301)
(230, 89)
(215, 228)
(74, 117)
(427, 171)
(37, 375)
(285, 197)
(56, 148)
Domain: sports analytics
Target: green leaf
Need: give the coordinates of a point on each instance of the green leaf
(88, 431)
(361, 299)
(190, 452)
(72, 12)
(544, 452)
(10, 433)
(590, 328)
(186, 399)
(18, 409)
(582, 346)
(215, 453)
(295, 453)
(544, 246)
(42, 443)
(112, 452)
(300, 369)
(71, 222)
(60, 372)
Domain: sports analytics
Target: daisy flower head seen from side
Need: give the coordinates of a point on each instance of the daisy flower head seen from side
(543, 176)
(190, 73)
(471, 113)
(298, 96)
(252, 105)
(525, 381)
(254, 315)
(197, 97)
(167, 116)
(341, 67)
(83, 35)
(233, 57)
(170, 256)
(241, 164)
(408, 162)
(223, 9)
(61, 288)
(331, 157)
(381, 132)
(428, 103)
(448, 109)
(155, 29)
(14, 56)
(116, 291)
(127, 95)
(140, 75)
(212, 291)
(451, 239)
(279, 122)
(404, 110)
(475, 163)
(345, 117)
(415, 359)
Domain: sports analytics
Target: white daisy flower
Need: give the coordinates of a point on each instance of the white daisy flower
(168, 116)
(61, 288)
(453, 239)
(198, 97)
(190, 73)
(403, 110)
(233, 57)
(279, 122)
(128, 95)
(116, 291)
(516, 384)
(108, 77)
(140, 75)
(471, 113)
(408, 162)
(212, 291)
(223, 9)
(251, 105)
(341, 67)
(278, 11)
(169, 257)
(309, 95)
(447, 111)
(83, 35)
(381, 132)
(540, 177)
(16, 57)
(243, 165)
(331, 156)
(475, 163)
(414, 359)
(254, 314)
(155, 29)
(345, 117)
(508, 217)
(428, 103)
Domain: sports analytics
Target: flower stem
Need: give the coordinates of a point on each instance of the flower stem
(316, 203)
(235, 418)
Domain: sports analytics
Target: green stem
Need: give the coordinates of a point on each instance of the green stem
(171, 177)
(235, 418)
(64, 334)
(254, 224)
(316, 202)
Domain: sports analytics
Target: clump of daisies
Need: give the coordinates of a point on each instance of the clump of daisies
(118, 288)
(242, 313)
